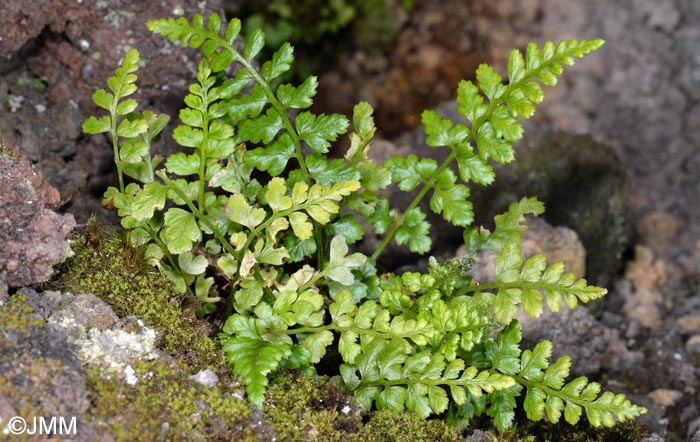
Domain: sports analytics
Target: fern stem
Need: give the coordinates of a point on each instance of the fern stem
(595, 291)
(115, 143)
(272, 98)
(433, 382)
(359, 331)
(429, 184)
(203, 154)
(558, 393)
(200, 216)
(167, 254)
(282, 111)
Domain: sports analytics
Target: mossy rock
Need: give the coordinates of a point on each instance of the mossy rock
(118, 273)
(302, 408)
(165, 404)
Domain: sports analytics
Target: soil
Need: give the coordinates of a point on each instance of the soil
(639, 95)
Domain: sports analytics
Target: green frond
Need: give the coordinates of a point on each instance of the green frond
(386, 373)
(527, 282)
(547, 393)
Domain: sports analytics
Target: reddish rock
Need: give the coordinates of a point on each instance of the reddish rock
(21, 21)
(79, 55)
(33, 237)
(55, 53)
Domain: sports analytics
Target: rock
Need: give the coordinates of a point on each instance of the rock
(665, 396)
(694, 431)
(86, 311)
(557, 244)
(45, 131)
(39, 372)
(32, 235)
(208, 378)
(689, 323)
(575, 333)
(45, 370)
(97, 343)
(69, 49)
(93, 332)
(657, 230)
(641, 288)
(22, 21)
(4, 295)
(693, 344)
(87, 39)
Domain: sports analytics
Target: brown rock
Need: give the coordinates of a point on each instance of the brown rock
(689, 323)
(641, 288)
(21, 21)
(658, 229)
(55, 53)
(98, 35)
(665, 397)
(558, 244)
(31, 234)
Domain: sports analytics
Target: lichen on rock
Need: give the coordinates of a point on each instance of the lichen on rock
(110, 346)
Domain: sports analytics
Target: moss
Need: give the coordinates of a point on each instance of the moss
(8, 150)
(388, 426)
(119, 274)
(27, 370)
(309, 409)
(16, 315)
(33, 373)
(302, 408)
(165, 404)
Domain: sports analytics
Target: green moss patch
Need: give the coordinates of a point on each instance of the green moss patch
(310, 409)
(16, 315)
(118, 273)
(165, 405)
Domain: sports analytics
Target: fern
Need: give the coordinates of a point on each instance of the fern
(519, 282)
(546, 392)
(253, 212)
(491, 110)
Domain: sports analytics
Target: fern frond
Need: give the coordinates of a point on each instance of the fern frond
(524, 282)
(420, 342)
(491, 108)
(509, 228)
(253, 360)
(547, 393)
(387, 373)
